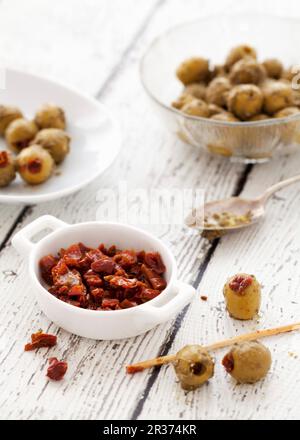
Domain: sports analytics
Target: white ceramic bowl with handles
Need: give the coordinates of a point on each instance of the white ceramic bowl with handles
(108, 325)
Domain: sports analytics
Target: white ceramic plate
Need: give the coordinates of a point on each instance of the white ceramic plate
(95, 137)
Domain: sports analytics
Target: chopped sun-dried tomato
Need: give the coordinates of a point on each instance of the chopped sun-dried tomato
(104, 265)
(127, 304)
(46, 265)
(57, 369)
(73, 255)
(63, 276)
(154, 261)
(79, 290)
(156, 281)
(84, 249)
(110, 303)
(125, 283)
(103, 278)
(240, 283)
(58, 271)
(148, 294)
(126, 259)
(97, 293)
(39, 340)
(92, 279)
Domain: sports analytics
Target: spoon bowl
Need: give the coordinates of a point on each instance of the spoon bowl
(236, 206)
(222, 216)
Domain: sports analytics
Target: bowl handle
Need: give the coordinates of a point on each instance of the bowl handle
(22, 240)
(159, 314)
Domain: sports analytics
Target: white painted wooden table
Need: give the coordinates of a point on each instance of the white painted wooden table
(95, 46)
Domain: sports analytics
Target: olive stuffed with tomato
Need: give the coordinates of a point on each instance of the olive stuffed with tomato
(55, 141)
(35, 165)
(247, 71)
(238, 53)
(224, 117)
(193, 70)
(7, 168)
(277, 96)
(217, 90)
(195, 89)
(274, 68)
(242, 294)
(20, 133)
(248, 362)
(197, 107)
(7, 115)
(193, 367)
(245, 101)
(50, 116)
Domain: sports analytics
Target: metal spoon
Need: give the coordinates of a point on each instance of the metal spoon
(253, 210)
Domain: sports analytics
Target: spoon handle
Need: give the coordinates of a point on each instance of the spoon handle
(278, 186)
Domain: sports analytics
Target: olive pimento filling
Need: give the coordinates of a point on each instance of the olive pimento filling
(228, 362)
(198, 368)
(20, 145)
(240, 283)
(4, 159)
(103, 278)
(35, 166)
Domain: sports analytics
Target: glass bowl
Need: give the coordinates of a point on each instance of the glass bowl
(213, 37)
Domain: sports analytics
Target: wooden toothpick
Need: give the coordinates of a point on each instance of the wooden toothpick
(259, 334)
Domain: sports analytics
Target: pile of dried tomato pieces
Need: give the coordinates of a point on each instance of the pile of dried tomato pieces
(103, 278)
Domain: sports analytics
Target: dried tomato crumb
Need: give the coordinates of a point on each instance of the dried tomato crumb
(228, 362)
(39, 340)
(131, 369)
(204, 298)
(57, 369)
(240, 283)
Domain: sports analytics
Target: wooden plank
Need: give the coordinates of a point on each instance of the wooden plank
(276, 397)
(76, 42)
(270, 251)
(79, 44)
(95, 386)
(105, 392)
